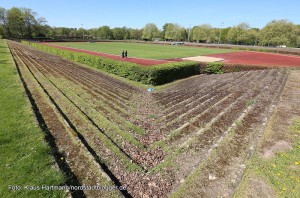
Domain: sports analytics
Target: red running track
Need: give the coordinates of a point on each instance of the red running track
(259, 58)
(141, 61)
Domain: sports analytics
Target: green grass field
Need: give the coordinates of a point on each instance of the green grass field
(141, 50)
(25, 158)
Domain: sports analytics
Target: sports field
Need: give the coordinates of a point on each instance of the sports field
(142, 50)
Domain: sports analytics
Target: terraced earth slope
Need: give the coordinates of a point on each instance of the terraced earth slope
(189, 139)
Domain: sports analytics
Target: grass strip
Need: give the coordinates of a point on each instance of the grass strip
(25, 158)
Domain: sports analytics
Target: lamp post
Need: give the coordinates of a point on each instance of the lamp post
(220, 32)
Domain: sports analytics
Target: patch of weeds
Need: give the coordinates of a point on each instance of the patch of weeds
(165, 166)
(239, 122)
(250, 102)
(152, 116)
(295, 126)
(174, 135)
(283, 170)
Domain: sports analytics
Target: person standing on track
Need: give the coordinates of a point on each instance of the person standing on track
(125, 53)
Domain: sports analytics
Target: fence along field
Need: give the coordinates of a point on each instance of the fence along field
(171, 142)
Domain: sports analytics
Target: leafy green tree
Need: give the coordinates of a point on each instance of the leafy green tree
(51, 32)
(4, 22)
(239, 34)
(279, 32)
(204, 33)
(135, 34)
(126, 33)
(224, 33)
(2, 35)
(163, 32)
(64, 32)
(21, 22)
(31, 23)
(39, 25)
(82, 32)
(104, 32)
(298, 36)
(121, 33)
(73, 32)
(175, 32)
(39, 29)
(150, 31)
(118, 33)
(16, 22)
(214, 35)
(92, 33)
(252, 36)
(298, 42)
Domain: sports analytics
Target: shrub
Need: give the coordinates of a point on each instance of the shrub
(241, 67)
(164, 73)
(214, 68)
(155, 75)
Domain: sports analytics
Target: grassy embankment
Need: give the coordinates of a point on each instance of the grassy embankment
(279, 175)
(25, 158)
(274, 170)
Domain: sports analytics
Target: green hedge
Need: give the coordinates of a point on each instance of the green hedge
(214, 68)
(218, 67)
(155, 75)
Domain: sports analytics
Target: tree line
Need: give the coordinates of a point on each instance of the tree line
(23, 23)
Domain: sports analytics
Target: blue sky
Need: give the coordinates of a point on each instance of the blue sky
(136, 13)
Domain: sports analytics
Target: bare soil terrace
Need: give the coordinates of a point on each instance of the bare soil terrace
(189, 139)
